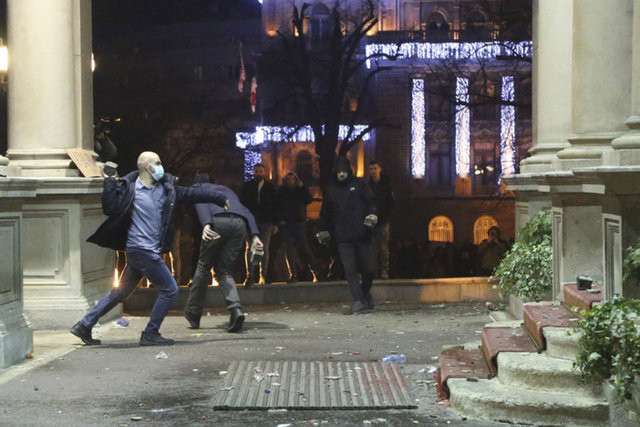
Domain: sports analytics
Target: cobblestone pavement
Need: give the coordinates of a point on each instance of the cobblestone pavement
(120, 383)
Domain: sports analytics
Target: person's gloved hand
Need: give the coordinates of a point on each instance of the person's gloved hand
(323, 237)
(371, 220)
(209, 234)
(256, 245)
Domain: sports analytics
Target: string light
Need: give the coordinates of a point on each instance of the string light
(451, 50)
(507, 127)
(251, 158)
(264, 134)
(418, 117)
(463, 135)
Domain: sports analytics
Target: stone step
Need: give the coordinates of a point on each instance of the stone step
(496, 340)
(539, 316)
(538, 372)
(582, 300)
(492, 400)
(562, 343)
(461, 363)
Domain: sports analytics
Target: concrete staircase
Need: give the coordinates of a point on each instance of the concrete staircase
(530, 376)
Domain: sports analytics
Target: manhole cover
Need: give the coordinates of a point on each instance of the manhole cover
(313, 385)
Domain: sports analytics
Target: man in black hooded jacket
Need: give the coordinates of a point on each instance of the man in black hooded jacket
(348, 215)
(141, 209)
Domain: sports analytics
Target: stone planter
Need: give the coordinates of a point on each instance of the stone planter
(625, 413)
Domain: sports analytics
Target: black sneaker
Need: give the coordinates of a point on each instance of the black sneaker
(369, 300)
(236, 319)
(84, 333)
(361, 307)
(193, 319)
(154, 338)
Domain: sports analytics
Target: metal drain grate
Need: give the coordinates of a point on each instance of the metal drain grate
(314, 385)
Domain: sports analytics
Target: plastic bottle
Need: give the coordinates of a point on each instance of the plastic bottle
(395, 358)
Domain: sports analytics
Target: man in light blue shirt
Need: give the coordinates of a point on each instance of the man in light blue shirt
(140, 209)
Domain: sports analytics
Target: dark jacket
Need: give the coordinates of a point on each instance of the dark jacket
(264, 211)
(207, 210)
(385, 200)
(117, 204)
(292, 203)
(344, 206)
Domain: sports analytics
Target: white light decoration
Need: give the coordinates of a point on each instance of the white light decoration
(508, 127)
(418, 119)
(264, 134)
(251, 158)
(452, 50)
(463, 135)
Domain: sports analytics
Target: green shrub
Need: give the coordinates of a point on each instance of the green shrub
(526, 270)
(631, 265)
(610, 345)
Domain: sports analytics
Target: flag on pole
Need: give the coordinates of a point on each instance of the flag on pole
(242, 76)
(254, 92)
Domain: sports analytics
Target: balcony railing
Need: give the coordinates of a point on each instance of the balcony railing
(474, 35)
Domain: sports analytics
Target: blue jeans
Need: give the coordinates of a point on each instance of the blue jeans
(140, 263)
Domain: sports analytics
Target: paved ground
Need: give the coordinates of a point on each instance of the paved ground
(67, 384)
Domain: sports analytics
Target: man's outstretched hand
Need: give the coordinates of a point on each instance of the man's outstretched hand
(208, 234)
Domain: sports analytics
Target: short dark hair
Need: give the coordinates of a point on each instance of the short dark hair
(375, 162)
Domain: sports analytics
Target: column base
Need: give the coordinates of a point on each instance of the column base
(16, 338)
(585, 151)
(43, 163)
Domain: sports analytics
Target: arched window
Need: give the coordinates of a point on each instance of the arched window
(436, 27)
(319, 21)
(481, 228)
(440, 229)
(304, 166)
(477, 27)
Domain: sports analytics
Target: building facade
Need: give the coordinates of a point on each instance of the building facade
(456, 97)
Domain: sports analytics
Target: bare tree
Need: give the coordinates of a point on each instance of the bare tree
(318, 77)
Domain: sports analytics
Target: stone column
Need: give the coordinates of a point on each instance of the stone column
(50, 87)
(601, 79)
(16, 338)
(551, 70)
(50, 110)
(627, 147)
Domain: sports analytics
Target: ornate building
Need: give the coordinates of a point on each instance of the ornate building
(456, 97)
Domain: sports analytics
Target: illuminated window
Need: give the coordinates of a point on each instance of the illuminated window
(481, 228)
(440, 229)
(463, 135)
(418, 115)
(507, 127)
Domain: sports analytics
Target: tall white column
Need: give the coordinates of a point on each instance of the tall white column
(601, 79)
(551, 85)
(50, 86)
(627, 147)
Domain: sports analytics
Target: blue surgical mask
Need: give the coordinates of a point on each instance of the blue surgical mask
(158, 172)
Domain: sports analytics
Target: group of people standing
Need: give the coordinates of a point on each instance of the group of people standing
(141, 208)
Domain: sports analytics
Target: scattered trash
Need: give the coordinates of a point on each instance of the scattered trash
(222, 373)
(162, 410)
(355, 353)
(195, 370)
(258, 375)
(277, 411)
(229, 388)
(123, 322)
(35, 388)
(431, 369)
(29, 356)
(279, 348)
(472, 380)
(453, 347)
(204, 418)
(395, 358)
(337, 353)
(275, 384)
(332, 377)
(489, 305)
(273, 374)
(136, 418)
(197, 334)
(267, 391)
(162, 355)
(424, 381)
(284, 425)
(208, 314)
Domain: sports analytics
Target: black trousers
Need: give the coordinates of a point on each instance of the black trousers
(357, 261)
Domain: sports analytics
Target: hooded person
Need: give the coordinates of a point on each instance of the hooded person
(347, 216)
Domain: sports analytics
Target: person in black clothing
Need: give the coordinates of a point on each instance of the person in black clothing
(293, 198)
(259, 196)
(380, 185)
(141, 208)
(349, 212)
(223, 235)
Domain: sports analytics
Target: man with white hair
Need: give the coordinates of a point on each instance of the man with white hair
(141, 209)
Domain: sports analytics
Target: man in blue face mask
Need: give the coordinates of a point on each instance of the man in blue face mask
(140, 209)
